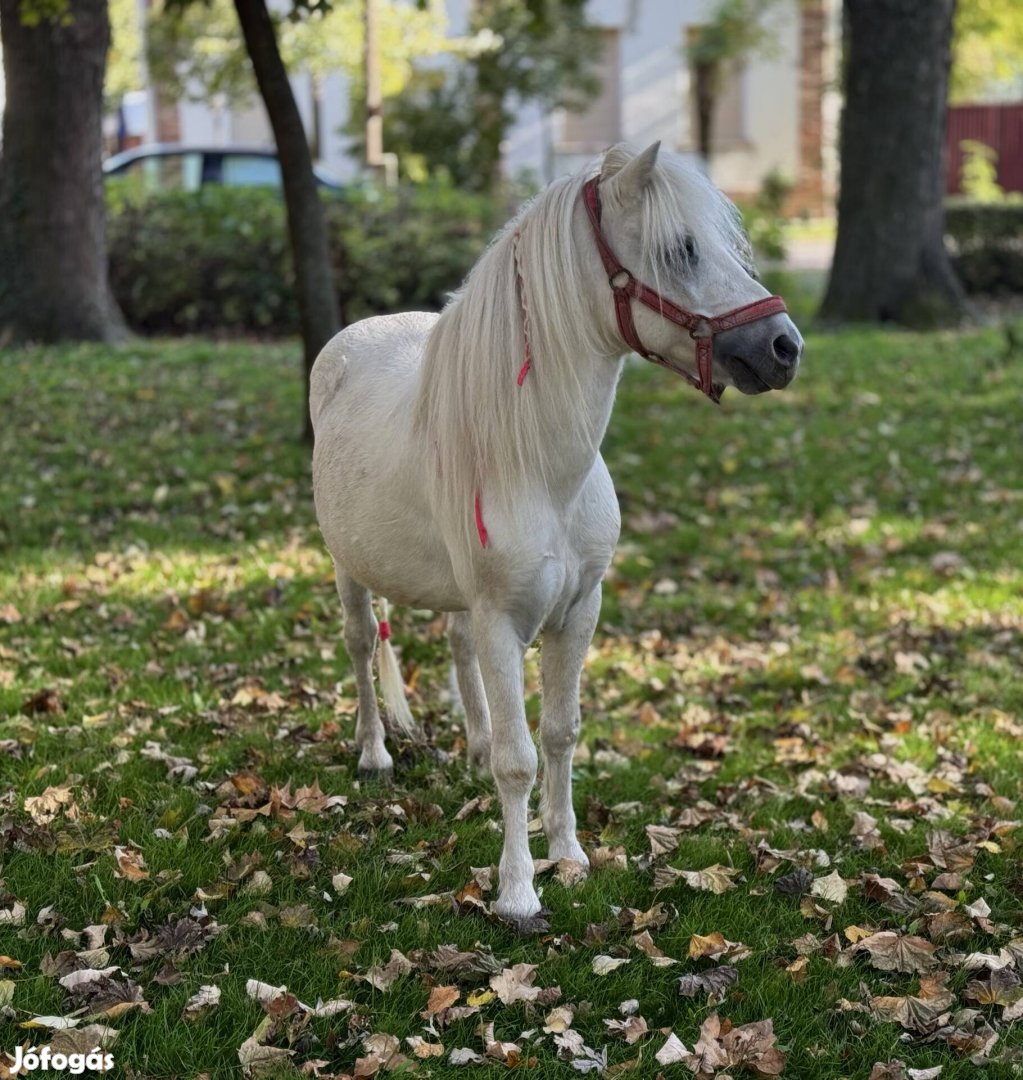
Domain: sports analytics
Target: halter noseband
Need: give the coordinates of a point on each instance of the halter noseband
(702, 328)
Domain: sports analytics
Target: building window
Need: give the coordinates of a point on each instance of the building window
(600, 124)
(729, 118)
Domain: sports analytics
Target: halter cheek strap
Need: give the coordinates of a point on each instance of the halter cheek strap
(702, 328)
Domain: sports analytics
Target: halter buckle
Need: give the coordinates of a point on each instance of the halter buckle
(702, 329)
(617, 284)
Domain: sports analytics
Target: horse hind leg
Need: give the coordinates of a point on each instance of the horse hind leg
(360, 635)
(470, 690)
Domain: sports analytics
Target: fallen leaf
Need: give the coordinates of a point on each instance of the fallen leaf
(384, 976)
(604, 965)
(130, 864)
(441, 997)
(716, 879)
(515, 984)
(831, 888)
(206, 997)
(890, 951)
(672, 1051)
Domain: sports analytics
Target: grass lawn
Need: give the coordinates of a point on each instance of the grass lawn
(806, 682)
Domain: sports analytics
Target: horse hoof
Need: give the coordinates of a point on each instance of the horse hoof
(527, 925)
(519, 906)
(573, 852)
(371, 775)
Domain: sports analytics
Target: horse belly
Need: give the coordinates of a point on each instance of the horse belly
(402, 561)
(377, 527)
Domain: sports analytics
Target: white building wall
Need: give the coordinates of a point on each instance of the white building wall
(655, 89)
(654, 83)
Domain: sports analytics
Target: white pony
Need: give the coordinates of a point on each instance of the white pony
(457, 462)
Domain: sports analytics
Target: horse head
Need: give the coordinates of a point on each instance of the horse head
(680, 268)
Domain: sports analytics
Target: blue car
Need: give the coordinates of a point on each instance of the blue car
(168, 166)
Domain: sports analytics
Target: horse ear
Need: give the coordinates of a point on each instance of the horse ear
(626, 176)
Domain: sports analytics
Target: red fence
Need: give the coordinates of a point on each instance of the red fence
(997, 126)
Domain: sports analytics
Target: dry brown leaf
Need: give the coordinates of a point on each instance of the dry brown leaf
(663, 839)
(441, 997)
(206, 997)
(831, 888)
(559, 1019)
(423, 1049)
(515, 984)
(130, 864)
(672, 1051)
(891, 951)
(716, 879)
(716, 946)
(604, 965)
(384, 976)
(44, 808)
(632, 1028)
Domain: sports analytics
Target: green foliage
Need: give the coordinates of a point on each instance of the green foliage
(218, 259)
(36, 12)
(764, 218)
(987, 55)
(124, 69)
(985, 241)
(452, 123)
(979, 173)
(193, 47)
(734, 29)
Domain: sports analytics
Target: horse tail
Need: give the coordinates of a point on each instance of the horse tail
(392, 686)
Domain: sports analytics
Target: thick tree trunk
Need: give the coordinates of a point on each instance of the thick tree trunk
(890, 263)
(53, 270)
(317, 300)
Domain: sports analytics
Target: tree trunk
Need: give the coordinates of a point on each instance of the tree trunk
(706, 76)
(53, 268)
(890, 262)
(317, 299)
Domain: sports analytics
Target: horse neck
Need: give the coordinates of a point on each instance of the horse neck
(572, 435)
(489, 431)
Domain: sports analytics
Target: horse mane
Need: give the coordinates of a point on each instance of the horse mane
(488, 433)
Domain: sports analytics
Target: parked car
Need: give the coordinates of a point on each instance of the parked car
(166, 166)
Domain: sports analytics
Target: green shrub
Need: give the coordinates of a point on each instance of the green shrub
(764, 220)
(218, 259)
(985, 241)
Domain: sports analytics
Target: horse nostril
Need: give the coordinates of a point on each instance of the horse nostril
(786, 350)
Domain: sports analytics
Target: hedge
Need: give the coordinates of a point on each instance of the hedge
(985, 241)
(218, 259)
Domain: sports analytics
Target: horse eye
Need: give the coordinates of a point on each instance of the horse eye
(685, 254)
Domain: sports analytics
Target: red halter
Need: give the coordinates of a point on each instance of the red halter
(702, 328)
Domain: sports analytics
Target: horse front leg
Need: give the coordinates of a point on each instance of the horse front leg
(471, 691)
(512, 759)
(561, 661)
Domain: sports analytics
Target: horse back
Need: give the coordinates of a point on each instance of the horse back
(375, 359)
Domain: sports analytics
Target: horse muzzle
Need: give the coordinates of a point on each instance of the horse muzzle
(760, 356)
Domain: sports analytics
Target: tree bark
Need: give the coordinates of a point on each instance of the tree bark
(53, 270)
(319, 316)
(890, 262)
(706, 77)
